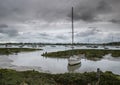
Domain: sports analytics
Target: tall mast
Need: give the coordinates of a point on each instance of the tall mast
(72, 29)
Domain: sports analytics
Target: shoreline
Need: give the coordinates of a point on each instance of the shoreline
(89, 53)
(33, 77)
(8, 51)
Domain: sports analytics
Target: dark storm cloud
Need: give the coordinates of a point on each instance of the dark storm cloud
(51, 10)
(90, 11)
(15, 10)
(115, 21)
(5, 29)
(115, 1)
(23, 10)
(3, 26)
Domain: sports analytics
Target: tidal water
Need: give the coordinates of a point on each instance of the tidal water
(34, 60)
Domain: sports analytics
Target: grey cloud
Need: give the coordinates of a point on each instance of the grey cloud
(63, 37)
(115, 1)
(44, 34)
(115, 21)
(91, 31)
(60, 37)
(103, 6)
(5, 29)
(23, 10)
(90, 11)
(3, 26)
(51, 10)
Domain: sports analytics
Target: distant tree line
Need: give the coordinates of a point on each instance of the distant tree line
(109, 43)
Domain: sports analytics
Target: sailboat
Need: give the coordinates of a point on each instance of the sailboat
(73, 59)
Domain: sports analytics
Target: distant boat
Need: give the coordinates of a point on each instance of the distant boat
(106, 48)
(92, 46)
(95, 46)
(53, 46)
(73, 59)
(117, 47)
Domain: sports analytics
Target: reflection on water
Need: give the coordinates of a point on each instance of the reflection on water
(94, 59)
(73, 68)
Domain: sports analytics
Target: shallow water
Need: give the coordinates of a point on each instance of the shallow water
(34, 60)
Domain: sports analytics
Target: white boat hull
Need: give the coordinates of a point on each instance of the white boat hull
(73, 60)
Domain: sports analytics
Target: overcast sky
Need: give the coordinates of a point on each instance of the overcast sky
(50, 20)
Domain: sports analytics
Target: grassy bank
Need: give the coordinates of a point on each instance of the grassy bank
(12, 77)
(7, 51)
(89, 53)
